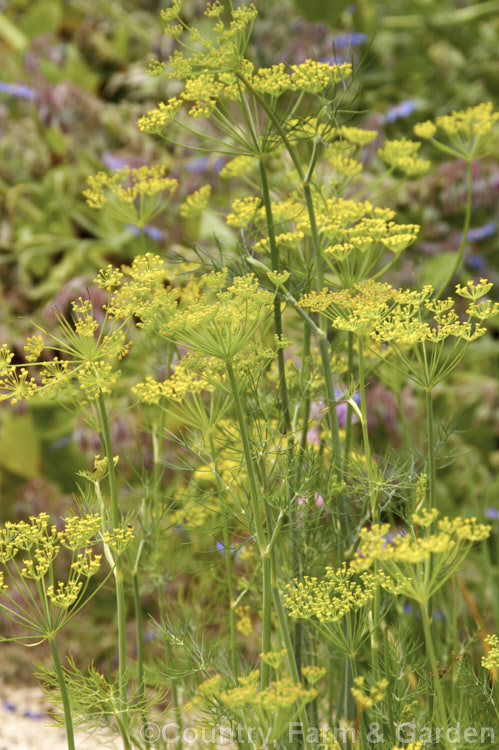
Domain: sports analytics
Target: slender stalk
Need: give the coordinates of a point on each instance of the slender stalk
(68, 719)
(230, 591)
(286, 637)
(261, 537)
(464, 237)
(274, 259)
(118, 570)
(432, 664)
(374, 508)
(323, 342)
(140, 645)
(431, 450)
(177, 708)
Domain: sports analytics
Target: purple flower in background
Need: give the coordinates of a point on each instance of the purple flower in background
(404, 109)
(480, 233)
(17, 90)
(220, 548)
(218, 164)
(197, 165)
(492, 513)
(153, 232)
(111, 161)
(353, 39)
(475, 262)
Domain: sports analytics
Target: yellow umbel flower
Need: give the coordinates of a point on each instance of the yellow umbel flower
(491, 660)
(65, 594)
(132, 195)
(357, 135)
(466, 131)
(195, 202)
(365, 699)
(418, 566)
(402, 155)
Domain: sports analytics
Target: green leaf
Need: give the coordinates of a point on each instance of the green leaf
(436, 269)
(41, 18)
(328, 11)
(19, 445)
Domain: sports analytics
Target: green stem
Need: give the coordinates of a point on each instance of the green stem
(140, 645)
(374, 508)
(431, 450)
(230, 591)
(274, 259)
(433, 667)
(68, 720)
(323, 323)
(177, 708)
(118, 571)
(286, 638)
(464, 238)
(261, 537)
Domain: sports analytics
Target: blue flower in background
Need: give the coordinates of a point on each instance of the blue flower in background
(404, 109)
(17, 90)
(481, 233)
(111, 161)
(492, 513)
(353, 39)
(197, 165)
(153, 232)
(475, 262)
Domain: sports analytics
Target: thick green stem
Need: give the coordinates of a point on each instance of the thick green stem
(374, 507)
(177, 708)
(274, 259)
(261, 537)
(464, 237)
(140, 646)
(286, 638)
(118, 570)
(230, 591)
(68, 719)
(431, 450)
(323, 342)
(365, 432)
(433, 667)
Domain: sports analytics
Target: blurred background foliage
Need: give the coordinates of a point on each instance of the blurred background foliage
(73, 83)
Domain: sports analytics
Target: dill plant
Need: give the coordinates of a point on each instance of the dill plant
(320, 540)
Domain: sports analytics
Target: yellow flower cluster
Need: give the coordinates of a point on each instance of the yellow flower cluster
(128, 184)
(193, 374)
(368, 699)
(401, 557)
(240, 166)
(328, 600)
(118, 540)
(357, 135)
(491, 660)
(155, 120)
(65, 594)
(402, 155)
(195, 202)
(377, 310)
(469, 123)
(220, 328)
(282, 694)
(274, 658)
(40, 543)
(467, 131)
(340, 157)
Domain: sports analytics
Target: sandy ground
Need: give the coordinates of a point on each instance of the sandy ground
(25, 725)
